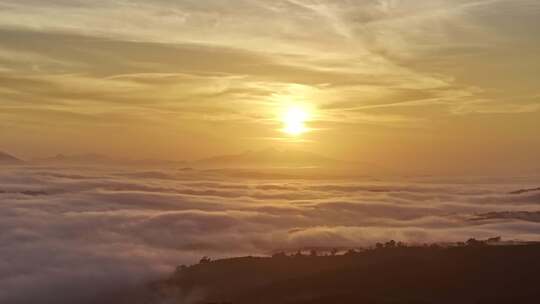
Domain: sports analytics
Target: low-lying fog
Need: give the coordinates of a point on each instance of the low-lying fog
(72, 235)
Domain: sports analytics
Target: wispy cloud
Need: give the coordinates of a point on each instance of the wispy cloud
(373, 64)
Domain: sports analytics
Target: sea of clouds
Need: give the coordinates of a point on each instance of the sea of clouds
(81, 234)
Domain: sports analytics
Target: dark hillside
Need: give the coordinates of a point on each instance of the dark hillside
(467, 274)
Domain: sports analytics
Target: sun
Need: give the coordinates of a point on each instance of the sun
(294, 119)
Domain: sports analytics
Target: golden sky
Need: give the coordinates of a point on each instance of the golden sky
(421, 85)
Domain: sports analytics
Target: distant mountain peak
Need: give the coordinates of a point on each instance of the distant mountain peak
(270, 157)
(6, 158)
(284, 159)
(77, 158)
(101, 159)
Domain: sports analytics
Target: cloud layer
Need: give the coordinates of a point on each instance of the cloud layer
(87, 234)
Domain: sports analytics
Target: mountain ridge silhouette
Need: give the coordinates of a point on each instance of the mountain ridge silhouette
(9, 159)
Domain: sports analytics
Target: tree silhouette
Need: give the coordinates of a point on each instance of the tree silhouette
(472, 242)
(494, 239)
(181, 268)
(390, 244)
(351, 252)
(279, 255)
(205, 260)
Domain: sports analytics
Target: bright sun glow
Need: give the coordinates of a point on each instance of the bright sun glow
(294, 121)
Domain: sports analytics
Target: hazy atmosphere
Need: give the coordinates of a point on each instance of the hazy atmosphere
(406, 83)
(136, 136)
